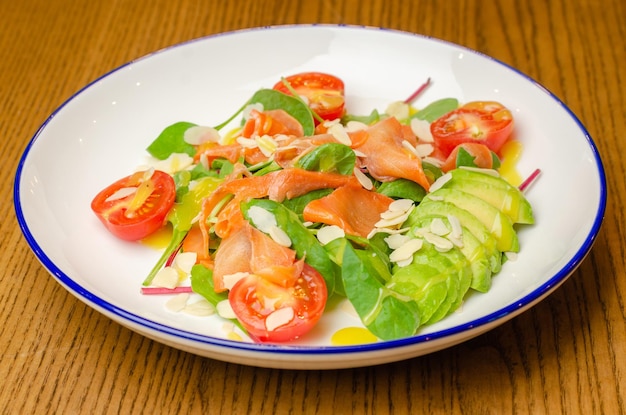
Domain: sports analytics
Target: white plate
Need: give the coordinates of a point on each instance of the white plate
(100, 135)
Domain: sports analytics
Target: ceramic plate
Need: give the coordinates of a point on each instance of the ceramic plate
(100, 134)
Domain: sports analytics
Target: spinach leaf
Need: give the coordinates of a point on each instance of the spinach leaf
(273, 100)
(329, 158)
(171, 140)
(202, 283)
(383, 311)
(436, 109)
(431, 171)
(370, 119)
(403, 189)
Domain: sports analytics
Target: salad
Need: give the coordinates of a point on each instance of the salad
(401, 212)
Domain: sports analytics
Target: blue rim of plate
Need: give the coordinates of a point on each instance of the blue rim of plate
(90, 298)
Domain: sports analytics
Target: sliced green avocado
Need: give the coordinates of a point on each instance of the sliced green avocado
(498, 223)
(429, 255)
(467, 220)
(495, 191)
(423, 283)
(473, 251)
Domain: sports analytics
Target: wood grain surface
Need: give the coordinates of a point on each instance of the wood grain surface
(566, 355)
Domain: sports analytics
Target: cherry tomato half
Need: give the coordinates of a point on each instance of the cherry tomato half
(137, 205)
(485, 122)
(324, 92)
(273, 313)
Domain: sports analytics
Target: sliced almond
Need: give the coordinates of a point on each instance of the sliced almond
(279, 236)
(197, 135)
(279, 318)
(177, 303)
(438, 227)
(262, 219)
(167, 277)
(395, 241)
(407, 250)
(421, 128)
(327, 234)
(363, 179)
(199, 308)
(184, 261)
(340, 134)
(441, 244)
(225, 310)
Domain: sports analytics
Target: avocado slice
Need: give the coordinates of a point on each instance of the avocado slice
(473, 251)
(470, 222)
(437, 281)
(496, 222)
(423, 283)
(429, 255)
(495, 191)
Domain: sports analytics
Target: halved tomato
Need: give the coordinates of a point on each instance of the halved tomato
(137, 205)
(484, 122)
(273, 313)
(323, 92)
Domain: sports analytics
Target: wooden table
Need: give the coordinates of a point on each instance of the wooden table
(566, 355)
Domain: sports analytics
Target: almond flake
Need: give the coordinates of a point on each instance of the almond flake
(262, 219)
(352, 126)
(438, 227)
(440, 182)
(424, 150)
(184, 261)
(199, 308)
(407, 250)
(279, 318)
(167, 277)
(340, 134)
(441, 244)
(230, 280)
(279, 236)
(225, 310)
(410, 147)
(421, 128)
(395, 241)
(399, 220)
(247, 142)
(177, 303)
(328, 234)
(197, 135)
(267, 145)
(401, 205)
(386, 230)
(363, 179)
(174, 163)
(511, 256)
(431, 160)
(457, 229)
(398, 109)
(121, 193)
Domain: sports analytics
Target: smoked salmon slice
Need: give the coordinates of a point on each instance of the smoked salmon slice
(386, 158)
(354, 209)
(278, 185)
(248, 250)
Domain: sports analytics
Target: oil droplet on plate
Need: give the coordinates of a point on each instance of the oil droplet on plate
(159, 239)
(349, 336)
(511, 152)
